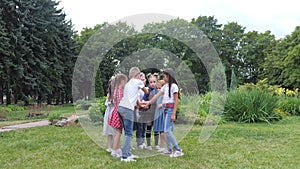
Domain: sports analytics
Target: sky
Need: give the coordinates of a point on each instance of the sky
(280, 17)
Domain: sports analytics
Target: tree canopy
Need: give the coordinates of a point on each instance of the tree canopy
(39, 50)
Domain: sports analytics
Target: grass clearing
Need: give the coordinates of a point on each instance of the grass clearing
(232, 145)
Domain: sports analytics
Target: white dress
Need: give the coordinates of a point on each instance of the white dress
(107, 129)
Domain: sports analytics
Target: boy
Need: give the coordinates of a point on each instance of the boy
(126, 110)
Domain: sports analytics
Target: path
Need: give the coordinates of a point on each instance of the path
(25, 125)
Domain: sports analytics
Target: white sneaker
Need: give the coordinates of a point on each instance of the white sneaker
(128, 160)
(109, 150)
(117, 153)
(142, 146)
(148, 148)
(157, 147)
(161, 150)
(177, 153)
(165, 151)
(133, 156)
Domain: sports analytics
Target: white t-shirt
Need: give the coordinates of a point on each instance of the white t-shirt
(165, 89)
(131, 92)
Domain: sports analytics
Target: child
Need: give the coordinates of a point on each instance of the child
(140, 124)
(149, 114)
(114, 121)
(158, 124)
(170, 93)
(107, 129)
(126, 110)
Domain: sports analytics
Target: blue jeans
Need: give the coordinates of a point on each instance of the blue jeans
(127, 117)
(168, 129)
(140, 132)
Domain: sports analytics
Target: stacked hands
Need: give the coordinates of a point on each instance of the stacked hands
(144, 105)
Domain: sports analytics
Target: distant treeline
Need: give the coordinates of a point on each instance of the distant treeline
(39, 49)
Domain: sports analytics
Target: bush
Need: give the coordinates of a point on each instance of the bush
(95, 113)
(203, 109)
(54, 116)
(251, 106)
(10, 108)
(290, 105)
(102, 106)
(82, 104)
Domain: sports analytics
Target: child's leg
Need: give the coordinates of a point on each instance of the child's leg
(162, 139)
(148, 133)
(110, 141)
(140, 133)
(156, 137)
(171, 140)
(117, 138)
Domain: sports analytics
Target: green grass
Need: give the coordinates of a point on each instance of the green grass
(18, 117)
(232, 145)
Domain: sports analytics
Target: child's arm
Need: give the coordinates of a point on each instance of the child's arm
(145, 90)
(154, 98)
(173, 116)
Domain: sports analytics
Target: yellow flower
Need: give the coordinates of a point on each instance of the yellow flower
(280, 111)
(289, 92)
(280, 91)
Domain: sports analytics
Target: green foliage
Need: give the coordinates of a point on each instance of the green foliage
(233, 81)
(289, 105)
(54, 116)
(281, 65)
(36, 51)
(251, 106)
(99, 92)
(203, 111)
(82, 104)
(95, 113)
(102, 106)
(10, 108)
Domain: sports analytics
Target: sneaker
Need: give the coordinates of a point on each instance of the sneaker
(142, 146)
(133, 156)
(148, 148)
(177, 153)
(161, 150)
(165, 151)
(128, 160)
(109, 150)
(117, 153)
(157, 147)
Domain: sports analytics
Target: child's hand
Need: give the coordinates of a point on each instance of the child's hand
(159, 106)
(173, 117)
(146, 103)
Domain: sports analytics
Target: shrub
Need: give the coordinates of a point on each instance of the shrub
(95, 113)
(290, 105)
(251, 106)
(82, 104)
(54, 116)
(10, 108)
(102, 106)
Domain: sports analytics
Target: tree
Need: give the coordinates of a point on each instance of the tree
(230, 48)
(40, 50)
(281, 65)
(254, 49)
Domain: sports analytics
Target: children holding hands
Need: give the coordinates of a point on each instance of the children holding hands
(170, 93)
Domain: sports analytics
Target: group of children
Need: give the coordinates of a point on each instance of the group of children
(130, 103)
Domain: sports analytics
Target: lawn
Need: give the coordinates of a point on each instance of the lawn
(18, 117)
(232, 145)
